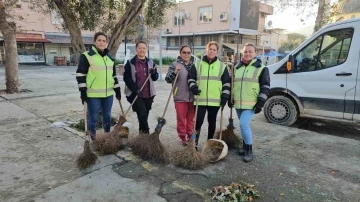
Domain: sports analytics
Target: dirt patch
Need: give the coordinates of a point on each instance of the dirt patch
(327, 127)
(3, 91)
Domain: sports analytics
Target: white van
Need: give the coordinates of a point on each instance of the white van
(319, 79)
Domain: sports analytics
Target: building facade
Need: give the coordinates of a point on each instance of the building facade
(40, 38)
(229, 22)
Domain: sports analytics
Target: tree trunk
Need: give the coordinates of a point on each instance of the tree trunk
(118, 31)
(8, 30)
(320, 15)
(72, 25)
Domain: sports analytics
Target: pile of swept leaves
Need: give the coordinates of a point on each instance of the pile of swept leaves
(236, 192)
(80, 126)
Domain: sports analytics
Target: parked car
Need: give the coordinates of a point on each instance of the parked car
(319, 79)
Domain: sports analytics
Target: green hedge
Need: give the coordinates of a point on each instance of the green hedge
(165, 61)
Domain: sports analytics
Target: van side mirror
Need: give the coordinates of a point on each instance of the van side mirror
(289, 64)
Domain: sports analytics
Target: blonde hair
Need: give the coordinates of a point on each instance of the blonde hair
(249, 44)
(212, 43)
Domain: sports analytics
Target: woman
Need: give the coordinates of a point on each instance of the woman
(183, 98)
(96, 77)
(251, 88)
(214, 88)
(136, 72)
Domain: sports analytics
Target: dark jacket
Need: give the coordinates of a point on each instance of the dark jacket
(181, 91)
(83, 68)
(129, 74)
(225, 78)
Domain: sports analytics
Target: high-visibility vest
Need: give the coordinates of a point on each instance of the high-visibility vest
(99, 79)
(246, 86)
(210, 83)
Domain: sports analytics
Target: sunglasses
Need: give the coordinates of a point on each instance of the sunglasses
(186, 53)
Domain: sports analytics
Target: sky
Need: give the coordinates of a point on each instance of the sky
(290, 21)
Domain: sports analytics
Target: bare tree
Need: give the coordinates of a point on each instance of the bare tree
(325, 10)
(8, 30)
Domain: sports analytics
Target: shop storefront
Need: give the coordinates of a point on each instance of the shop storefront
(31, 50)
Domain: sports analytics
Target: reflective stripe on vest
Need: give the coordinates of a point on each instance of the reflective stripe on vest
(210, 83)
(99, 79)
(246, 86)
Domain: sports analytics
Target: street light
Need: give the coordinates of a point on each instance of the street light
(178, 21)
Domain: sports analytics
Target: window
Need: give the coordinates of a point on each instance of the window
(328, 50)
(205, 14)
(56, 18)
(179, 18)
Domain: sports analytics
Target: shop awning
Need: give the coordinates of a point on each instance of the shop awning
(233, 46)
(60, 38)
(32, 40)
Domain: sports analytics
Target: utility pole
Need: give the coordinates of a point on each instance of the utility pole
(160, 56)
(178, 22)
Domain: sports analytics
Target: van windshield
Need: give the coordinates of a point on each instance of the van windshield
(326, 51)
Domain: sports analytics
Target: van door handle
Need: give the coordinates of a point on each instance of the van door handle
(343, 74)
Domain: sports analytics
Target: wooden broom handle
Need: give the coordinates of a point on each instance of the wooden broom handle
(121, 107)
(172, 91)
(231, 89)
(221, 118)
(127, 111)
(85, 120)
(197, 101)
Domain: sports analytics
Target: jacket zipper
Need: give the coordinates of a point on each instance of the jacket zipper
(106, 77)
(242, 79)
(207, 86)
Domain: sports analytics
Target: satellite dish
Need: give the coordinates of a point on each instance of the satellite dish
(269, 23)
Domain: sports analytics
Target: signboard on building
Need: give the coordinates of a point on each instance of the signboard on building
(245, 16)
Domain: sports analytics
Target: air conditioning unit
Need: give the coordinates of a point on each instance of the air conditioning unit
(169, 31)
(223, 16)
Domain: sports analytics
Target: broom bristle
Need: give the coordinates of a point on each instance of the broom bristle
(87, 158)
(189, 158)
(108, 143)
(149, 146)
(229, 137)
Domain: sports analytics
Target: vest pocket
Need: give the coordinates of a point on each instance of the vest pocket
(92, 83)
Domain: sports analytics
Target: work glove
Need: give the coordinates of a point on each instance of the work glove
(152, 71)
(117, 93)
(139, 93)
(257, 108)
(223, 102)
(195, 90)
(230, 103)
(83, 96)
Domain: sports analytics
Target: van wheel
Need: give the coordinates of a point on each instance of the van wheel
(281, 110)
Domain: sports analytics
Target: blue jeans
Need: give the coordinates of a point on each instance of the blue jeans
(94, 105)
(245, 116)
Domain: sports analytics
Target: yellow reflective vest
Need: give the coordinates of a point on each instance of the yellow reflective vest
(99, 79)
(246, 86)
(209, 77)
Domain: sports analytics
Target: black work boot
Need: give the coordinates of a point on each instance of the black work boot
(197, 141)
(248, 153)
(241, 151)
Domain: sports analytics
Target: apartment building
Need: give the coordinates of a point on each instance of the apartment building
(40, 38)
(228, 22)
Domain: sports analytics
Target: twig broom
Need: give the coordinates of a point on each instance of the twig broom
(87, 158)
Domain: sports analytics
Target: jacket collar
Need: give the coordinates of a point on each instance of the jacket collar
(255, 62)
(205, 59)
(133, 60)
(93, 51)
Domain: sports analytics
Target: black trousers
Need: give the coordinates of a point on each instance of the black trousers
(142, 106)
(212, 114)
